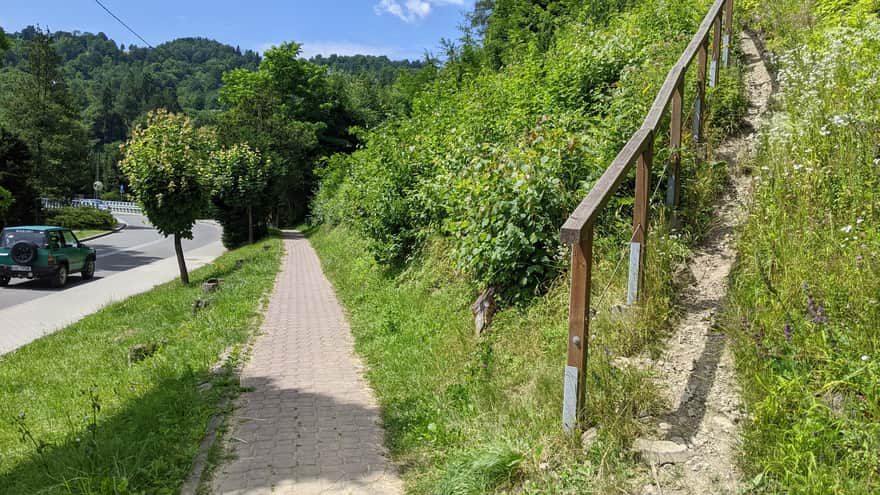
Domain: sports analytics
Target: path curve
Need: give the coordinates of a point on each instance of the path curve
(308, 423)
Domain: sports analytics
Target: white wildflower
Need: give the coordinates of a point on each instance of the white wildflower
(847, 229)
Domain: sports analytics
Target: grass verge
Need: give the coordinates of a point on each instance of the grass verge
(804, 296)
(84, 234)
(76, 417)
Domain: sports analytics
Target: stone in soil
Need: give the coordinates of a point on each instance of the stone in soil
(661, 451)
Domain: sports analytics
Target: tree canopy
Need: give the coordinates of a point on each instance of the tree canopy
(164, 164)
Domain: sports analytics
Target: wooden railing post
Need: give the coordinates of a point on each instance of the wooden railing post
(673, 190)
(716, 52)
(642, 205)
(574, 396)
(700, 99)
(728, 30)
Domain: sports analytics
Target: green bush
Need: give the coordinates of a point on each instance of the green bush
(81, 218)
(234, 221)
(112, 196)
(496, 160)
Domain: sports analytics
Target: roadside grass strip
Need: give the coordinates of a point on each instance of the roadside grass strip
(118, 402)
(85, 234)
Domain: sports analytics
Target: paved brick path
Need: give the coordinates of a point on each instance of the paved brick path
(308, 422)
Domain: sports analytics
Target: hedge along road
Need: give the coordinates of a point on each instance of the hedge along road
(137, 245)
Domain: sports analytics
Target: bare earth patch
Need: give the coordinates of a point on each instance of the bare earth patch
(693, 448)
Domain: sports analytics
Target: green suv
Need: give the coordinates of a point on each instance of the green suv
(43, 252)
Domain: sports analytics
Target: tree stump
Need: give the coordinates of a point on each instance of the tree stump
(484, 310)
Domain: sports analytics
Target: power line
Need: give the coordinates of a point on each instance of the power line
(124, 24)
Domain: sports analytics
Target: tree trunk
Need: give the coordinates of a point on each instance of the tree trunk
(181, 263)
(250, 225)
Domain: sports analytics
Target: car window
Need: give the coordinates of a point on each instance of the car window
(69, 239)
(10, 236)
(54, 239)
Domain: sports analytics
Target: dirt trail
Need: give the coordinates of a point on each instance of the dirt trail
(695, 445)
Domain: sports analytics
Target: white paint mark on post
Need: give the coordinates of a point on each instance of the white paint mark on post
(632, 292)
(725, 50)
(713, 73)
(670, 190)
(569, 399)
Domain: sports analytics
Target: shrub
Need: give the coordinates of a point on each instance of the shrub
(112, 196)
(497, 160)
(81, 218)
(235, 224)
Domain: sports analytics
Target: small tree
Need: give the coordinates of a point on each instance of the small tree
(240, 179)
(6, 201)
(163, 162)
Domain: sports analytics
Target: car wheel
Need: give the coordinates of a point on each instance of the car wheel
(23, 252)
(60, 277)
(89, 270)
(4, 281)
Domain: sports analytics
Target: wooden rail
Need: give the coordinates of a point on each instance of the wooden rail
(578, 229)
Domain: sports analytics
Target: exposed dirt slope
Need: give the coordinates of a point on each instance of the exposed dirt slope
(693, 450)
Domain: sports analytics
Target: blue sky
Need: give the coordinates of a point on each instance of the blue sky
(397, 28)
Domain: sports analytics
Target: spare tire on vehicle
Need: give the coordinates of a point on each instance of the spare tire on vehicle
(23, 252)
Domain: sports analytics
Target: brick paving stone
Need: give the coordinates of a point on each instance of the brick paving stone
(308, 422)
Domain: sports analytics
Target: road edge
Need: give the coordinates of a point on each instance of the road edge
(120, 226)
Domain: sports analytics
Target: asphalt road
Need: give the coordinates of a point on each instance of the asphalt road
(137, 245)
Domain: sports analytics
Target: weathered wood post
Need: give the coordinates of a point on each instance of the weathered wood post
(640, 222)
(700, 98)
(728, 30)
(714, 66)
(673, 190)
(574, 392)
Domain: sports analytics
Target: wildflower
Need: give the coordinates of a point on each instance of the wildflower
(786, 329)
(847, 229)
(824, 131)
(816, 312)
(864, 358)
(859, 260)
(798, 167)
(840, 120)
(859, 220)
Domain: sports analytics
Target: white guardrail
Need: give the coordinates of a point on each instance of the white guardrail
(114, 206)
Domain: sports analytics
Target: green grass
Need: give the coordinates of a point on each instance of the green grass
(804, 296)
(469, 415)
(82, 234)
(75, 418)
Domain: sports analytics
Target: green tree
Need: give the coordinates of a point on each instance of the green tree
(35, 103)
(6, 202)
(240, 179)
(4, 43)
(16, 176)
(164, 163)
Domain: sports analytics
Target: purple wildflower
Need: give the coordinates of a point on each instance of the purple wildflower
(786, 329)
(816, 312)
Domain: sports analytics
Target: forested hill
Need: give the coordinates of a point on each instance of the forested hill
(113, 85)
(381, 67)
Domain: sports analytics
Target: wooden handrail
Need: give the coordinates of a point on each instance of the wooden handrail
(607, 185)
(578, 228)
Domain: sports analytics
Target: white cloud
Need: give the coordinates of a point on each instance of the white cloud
(411, 11)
